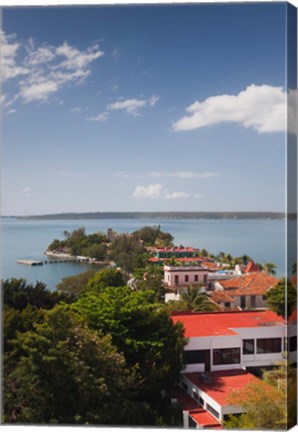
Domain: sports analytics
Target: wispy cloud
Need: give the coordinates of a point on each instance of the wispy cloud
(45, 69)
(176, 195)
(11, 111)
(76, 109)
(103, 117)
(9, 50)
(27, 191)
(156, 190)
(133, 106)
(262, 108)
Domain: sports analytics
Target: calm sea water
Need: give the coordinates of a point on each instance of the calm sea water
(263, 240)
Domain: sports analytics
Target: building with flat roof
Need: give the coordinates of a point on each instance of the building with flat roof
(222, 348)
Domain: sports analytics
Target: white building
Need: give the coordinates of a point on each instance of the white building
(175, 276)
(221, 348)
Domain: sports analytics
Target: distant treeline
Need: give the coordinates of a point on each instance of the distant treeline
(164, 215)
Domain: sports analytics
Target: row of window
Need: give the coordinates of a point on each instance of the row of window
(269, 345)
(196, 278)
(223, 356)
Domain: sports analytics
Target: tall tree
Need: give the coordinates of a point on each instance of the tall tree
(64, 373)
(193, 299)
(269, 268)
(142, 330)
(282, 299)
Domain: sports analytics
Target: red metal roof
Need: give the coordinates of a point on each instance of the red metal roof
(203, 418)
(222, 323)
(222, 383)
(184, 400)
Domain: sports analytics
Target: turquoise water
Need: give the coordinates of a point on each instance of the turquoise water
(263, 240)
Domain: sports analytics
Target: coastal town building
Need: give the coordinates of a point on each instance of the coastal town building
(183, 276)
(222, 350)
(249, 291)
(175, 252)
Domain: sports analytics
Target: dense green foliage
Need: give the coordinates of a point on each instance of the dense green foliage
(128, 252)
(18, 294)
(282, 299)
(75, 284)
(105, 359)
(152, 236)
(141, 330)
(79, 243)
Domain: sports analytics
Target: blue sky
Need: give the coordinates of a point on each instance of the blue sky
(143, 108)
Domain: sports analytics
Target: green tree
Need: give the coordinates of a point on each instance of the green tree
(75, 284)
(152, 279)
(151, 235)
(64, 373)
(282, 299)
(106, 278)
(142, 330)
(17, 294)
(269, 268)
(128, 252)
(193, 299)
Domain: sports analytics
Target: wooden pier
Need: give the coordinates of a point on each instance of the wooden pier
(33, 262)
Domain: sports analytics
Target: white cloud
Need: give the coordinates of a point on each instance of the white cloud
(9, 66)
(176, 195)
(262, 108)
(76, 109)
(133, 106)
(103, 117)
(157, 191)
(151, 191)
(38, 91)
(45, 69)
(76, 59)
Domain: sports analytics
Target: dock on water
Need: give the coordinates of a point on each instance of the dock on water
(30, 262)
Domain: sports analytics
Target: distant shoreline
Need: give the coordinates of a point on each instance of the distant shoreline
(158, 215)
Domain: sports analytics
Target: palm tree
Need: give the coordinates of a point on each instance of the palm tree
(194, 299)
(270, 268)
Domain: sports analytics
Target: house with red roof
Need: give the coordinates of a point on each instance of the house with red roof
(183, 276)
(249, 291)
(222, 348)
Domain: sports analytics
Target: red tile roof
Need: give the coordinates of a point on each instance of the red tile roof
(223, 323)
(221, 296)
(222, 383)
(251, 267)
(203, 418)
(257, 283)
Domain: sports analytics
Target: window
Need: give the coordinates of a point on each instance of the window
(176, 279)
(195, 395)
(196, 278)
(205, 278)
(212, 410)
(226, 356)
(264, 297)
(201, 401)
(268, 345)
(186, 278)
(293, 343)
(248, 346)
(194, 356)
(227, 304)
